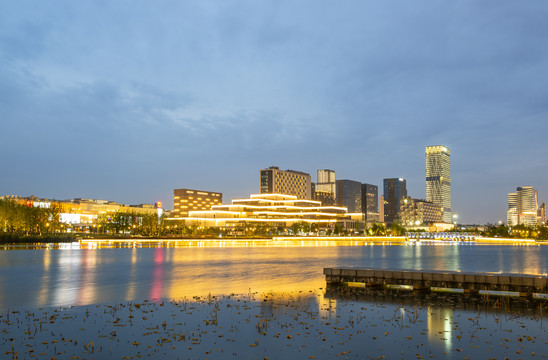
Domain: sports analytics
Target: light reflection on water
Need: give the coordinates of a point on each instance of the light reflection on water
(81, 276)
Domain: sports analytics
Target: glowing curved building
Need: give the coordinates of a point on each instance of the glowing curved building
(271, 210)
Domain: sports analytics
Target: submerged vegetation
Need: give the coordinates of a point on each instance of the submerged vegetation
(308, 325)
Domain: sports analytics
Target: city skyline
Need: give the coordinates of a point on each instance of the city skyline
(109, 101)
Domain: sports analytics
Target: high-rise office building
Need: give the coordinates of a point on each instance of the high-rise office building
(186, 200)
(381, 208)
(541, 214)
(325, 189)
(287, 182)
(349, 194)
(523, 207)
(326, 181)
(438, 178)
(370, 202)
(395, 189)
(512, 217)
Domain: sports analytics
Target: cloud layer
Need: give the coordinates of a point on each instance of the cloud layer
(129, 100)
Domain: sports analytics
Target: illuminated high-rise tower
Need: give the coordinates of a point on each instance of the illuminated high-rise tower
(512, 215)
(438, 178)
(527, 204)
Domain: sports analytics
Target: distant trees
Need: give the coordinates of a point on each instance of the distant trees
(396, 229)
(24, 220)
(300, 227)
(377, 230)
(520, 231)
(497, 231)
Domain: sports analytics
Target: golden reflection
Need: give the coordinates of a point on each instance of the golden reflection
(47, 259)
(261, 272)
(69, 270)
(440, 326)
(87, 288)
(532, 264)
(131, 286)
(274, 242)
(327, 307)
(156, 291)
(45, 283)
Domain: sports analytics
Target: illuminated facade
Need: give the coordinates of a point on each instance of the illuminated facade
(395, 189)
(370, 202)
(512, 217)
(84, 212)
(438, 178)
(415, 212)
(541, 214)
(523, 207)
(381, 208)
(325, 189)
(186, 200)
(287, 182)
(272, 211)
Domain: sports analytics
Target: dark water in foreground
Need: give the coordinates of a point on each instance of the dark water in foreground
(131, 303)
(301, 325)
(80, 276)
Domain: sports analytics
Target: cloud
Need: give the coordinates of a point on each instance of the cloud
(194, 90)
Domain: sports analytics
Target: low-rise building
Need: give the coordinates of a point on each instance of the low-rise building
(415, 212)
(187, 200)
(81, 212)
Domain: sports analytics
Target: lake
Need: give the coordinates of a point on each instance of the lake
(194, 300)
(74, 274)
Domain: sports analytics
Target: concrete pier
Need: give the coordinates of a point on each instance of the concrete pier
(425, 280)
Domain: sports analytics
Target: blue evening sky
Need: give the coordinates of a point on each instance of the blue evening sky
(127, 100)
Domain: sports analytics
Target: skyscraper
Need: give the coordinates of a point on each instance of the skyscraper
(370, 202)
(512, 216)
(523, 206)
(438, 178)
(395, 189)
(541, 214)
(349, 194)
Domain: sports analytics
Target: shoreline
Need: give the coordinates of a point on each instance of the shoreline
(13, 239)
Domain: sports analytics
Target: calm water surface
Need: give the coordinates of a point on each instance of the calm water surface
(80, 276)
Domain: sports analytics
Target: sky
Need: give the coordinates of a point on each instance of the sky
(128, 100)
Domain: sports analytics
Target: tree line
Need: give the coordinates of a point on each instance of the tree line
(521, 231)
(22, 219)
